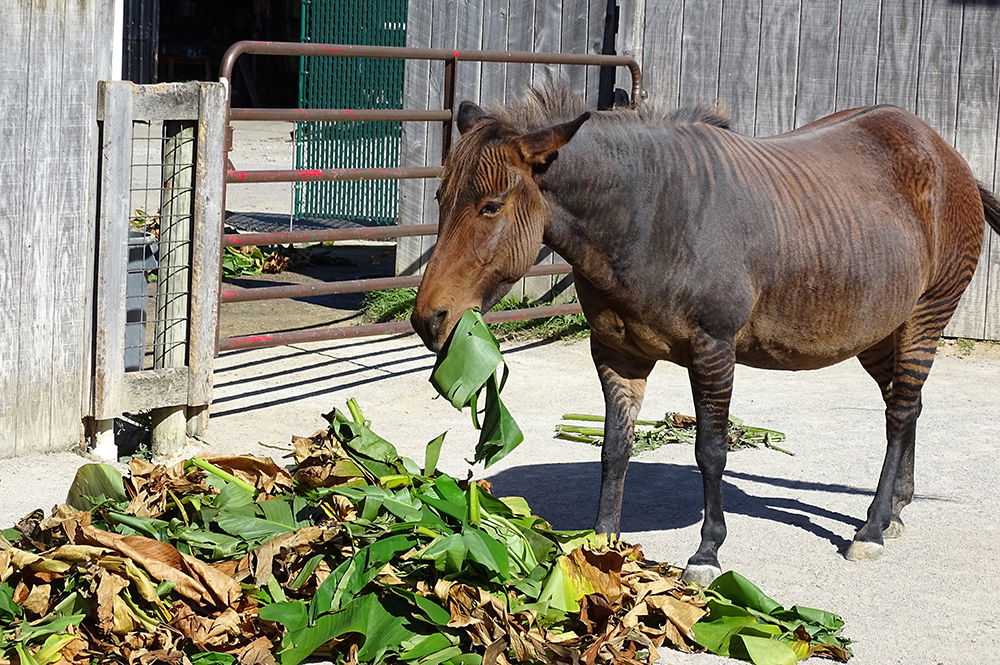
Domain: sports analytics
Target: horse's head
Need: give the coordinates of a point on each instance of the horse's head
(491, 218)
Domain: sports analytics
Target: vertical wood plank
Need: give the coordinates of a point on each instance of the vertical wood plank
(976, 140)
(595, 42)
(819, 43)
(989, 263)
(899, 53)
(14, 34)
(857, 61)
(494, 74)
(102, 15)
(469, 36)
(661, 56)
(116, 161)
(741, 28)
(37, 297)
(206, 239)
(631, 32)
(547, 27)
(73, 229)
(573, 39)
(699, 77)
(170, 346)
(413, 148)
(940, 56)
(779, 50)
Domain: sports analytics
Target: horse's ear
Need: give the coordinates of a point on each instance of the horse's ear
(469, 115)
(540, 148)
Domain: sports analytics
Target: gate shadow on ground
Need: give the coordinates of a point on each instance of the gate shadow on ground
(661, 496)
(372, 363)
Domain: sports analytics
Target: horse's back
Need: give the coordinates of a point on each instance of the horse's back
(866, 212)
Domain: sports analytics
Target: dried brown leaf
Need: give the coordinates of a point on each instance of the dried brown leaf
(75, 652)
(257, 652)
(680, 613)
(274, 263)
(110, 616)
(153, 487)
(194, 579)
(38, 599)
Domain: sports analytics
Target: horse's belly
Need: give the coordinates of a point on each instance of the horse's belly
(810, 340)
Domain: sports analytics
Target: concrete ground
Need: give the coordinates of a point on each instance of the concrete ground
(932, 599)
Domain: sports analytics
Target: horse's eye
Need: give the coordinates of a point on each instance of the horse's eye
(491, 208)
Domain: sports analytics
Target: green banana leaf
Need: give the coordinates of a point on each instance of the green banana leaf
(470, 365)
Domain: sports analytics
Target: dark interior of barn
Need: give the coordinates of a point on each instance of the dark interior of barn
(184, 40)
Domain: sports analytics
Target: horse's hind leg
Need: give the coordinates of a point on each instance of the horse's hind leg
(879, 361)
(915, 345)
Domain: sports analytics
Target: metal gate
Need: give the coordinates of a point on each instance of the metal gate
(350, 83)
(443, 115)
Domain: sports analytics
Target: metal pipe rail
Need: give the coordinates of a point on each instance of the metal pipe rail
(355, 286)
(369, 329)
(328, 235)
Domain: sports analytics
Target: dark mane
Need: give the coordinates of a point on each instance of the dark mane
(555, 101)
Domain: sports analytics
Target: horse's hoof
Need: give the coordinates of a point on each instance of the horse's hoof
(863, 550)
(701, 574)
(894, 530)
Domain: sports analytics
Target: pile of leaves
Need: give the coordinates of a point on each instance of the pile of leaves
(355, 554)
(672, 428)
(239, 261)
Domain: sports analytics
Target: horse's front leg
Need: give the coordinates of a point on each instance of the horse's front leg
(711, 374)
(623, 379)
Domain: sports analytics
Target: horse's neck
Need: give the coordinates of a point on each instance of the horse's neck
(587, 224)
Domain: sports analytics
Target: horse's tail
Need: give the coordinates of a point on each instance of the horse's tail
(991, 206)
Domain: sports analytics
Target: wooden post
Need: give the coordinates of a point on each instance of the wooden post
(170, 347)
(112, 253)
(206, 244)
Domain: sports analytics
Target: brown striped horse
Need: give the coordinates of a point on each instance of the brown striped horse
(854, 235)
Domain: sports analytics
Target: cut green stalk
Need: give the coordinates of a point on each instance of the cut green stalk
(208, 467)
(674, 428)
(587, 417)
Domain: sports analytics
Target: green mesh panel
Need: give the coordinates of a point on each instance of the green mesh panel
(350, 83)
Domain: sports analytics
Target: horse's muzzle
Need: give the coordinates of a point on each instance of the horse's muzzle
(428, 327)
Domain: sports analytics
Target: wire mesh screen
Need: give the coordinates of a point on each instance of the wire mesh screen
(159, 245)
(350, 83)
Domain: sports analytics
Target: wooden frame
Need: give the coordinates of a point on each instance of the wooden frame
(179, 390)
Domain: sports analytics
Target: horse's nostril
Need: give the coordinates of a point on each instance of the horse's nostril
(434, 323)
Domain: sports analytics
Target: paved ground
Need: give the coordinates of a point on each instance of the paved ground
(932, 599)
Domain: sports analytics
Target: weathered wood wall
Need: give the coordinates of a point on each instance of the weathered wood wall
(776, 64)
(54, 53)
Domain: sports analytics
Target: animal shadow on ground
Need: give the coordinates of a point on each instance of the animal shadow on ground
(660, 496)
